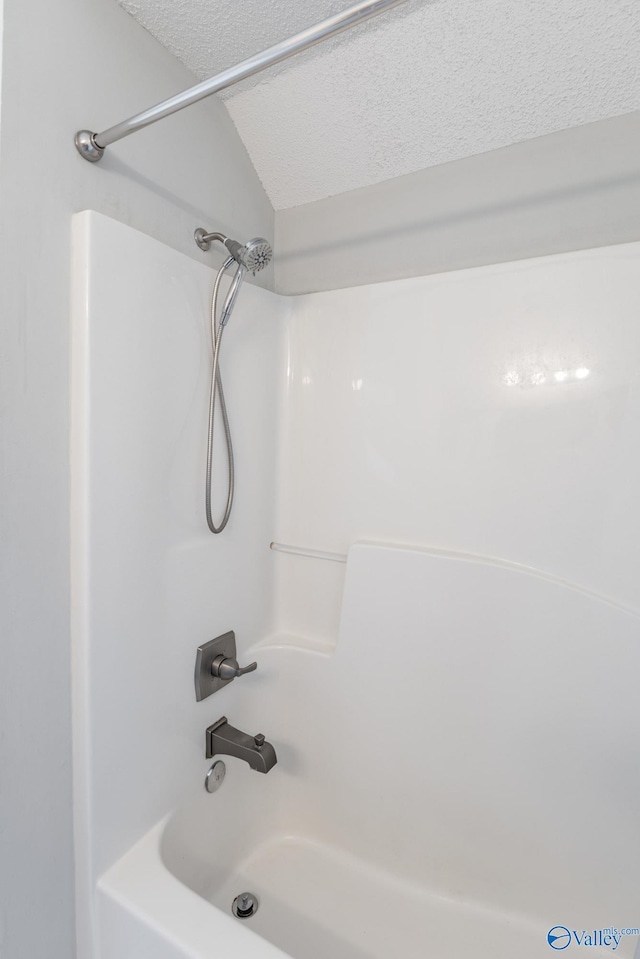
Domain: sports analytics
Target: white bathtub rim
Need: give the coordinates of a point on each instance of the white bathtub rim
(141, 884)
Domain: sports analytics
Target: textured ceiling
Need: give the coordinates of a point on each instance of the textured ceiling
(428, 82)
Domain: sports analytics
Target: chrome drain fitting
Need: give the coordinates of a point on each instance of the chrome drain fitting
(214, 778)
(245, 905)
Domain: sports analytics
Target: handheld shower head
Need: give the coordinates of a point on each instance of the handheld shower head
(257, 254)
(234, 289)
(253, 256)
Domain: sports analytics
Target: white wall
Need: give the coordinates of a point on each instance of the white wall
(571, 190)
(1, 49)
(66, 65)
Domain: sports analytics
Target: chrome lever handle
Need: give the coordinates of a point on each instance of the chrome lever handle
(246, 669)
(227, 668)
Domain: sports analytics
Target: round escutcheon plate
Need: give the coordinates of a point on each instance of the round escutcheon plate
(215, 777)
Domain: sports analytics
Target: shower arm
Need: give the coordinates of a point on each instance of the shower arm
(91, 146)
(203, 239)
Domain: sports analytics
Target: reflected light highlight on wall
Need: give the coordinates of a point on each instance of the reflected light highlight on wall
(538, 377)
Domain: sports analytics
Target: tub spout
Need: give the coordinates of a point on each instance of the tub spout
(223, 739)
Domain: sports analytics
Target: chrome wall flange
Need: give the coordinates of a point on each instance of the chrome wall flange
(201, 238)
(87, 147)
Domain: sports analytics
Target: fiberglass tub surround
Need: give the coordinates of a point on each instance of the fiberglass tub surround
(454, 814)
(452, 730)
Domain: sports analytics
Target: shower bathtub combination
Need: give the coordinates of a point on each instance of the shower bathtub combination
(452, 698)
(360, 842)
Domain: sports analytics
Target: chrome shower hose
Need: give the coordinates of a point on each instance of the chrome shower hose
(217, 329)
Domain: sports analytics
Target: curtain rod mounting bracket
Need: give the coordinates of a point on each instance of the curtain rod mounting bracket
(87, 147)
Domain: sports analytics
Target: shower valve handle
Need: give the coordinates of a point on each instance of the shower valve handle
(227, 667)
(216, 663)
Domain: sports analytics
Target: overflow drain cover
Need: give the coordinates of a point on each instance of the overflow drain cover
(245, 905)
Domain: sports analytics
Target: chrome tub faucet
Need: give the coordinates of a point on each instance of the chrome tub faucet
(223, 739)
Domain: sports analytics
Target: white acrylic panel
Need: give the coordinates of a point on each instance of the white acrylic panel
(474, 733)
(503, 708)
(437, 411)
(150, 583)
(476, 724)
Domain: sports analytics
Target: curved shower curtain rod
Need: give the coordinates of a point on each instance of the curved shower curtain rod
(91, 146)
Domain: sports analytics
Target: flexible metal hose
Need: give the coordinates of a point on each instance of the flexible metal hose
(216, 387)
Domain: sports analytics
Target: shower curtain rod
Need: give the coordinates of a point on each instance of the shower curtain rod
(91, 146)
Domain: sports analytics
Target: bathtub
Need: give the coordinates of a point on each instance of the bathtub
(315, 900)
(413, 810)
